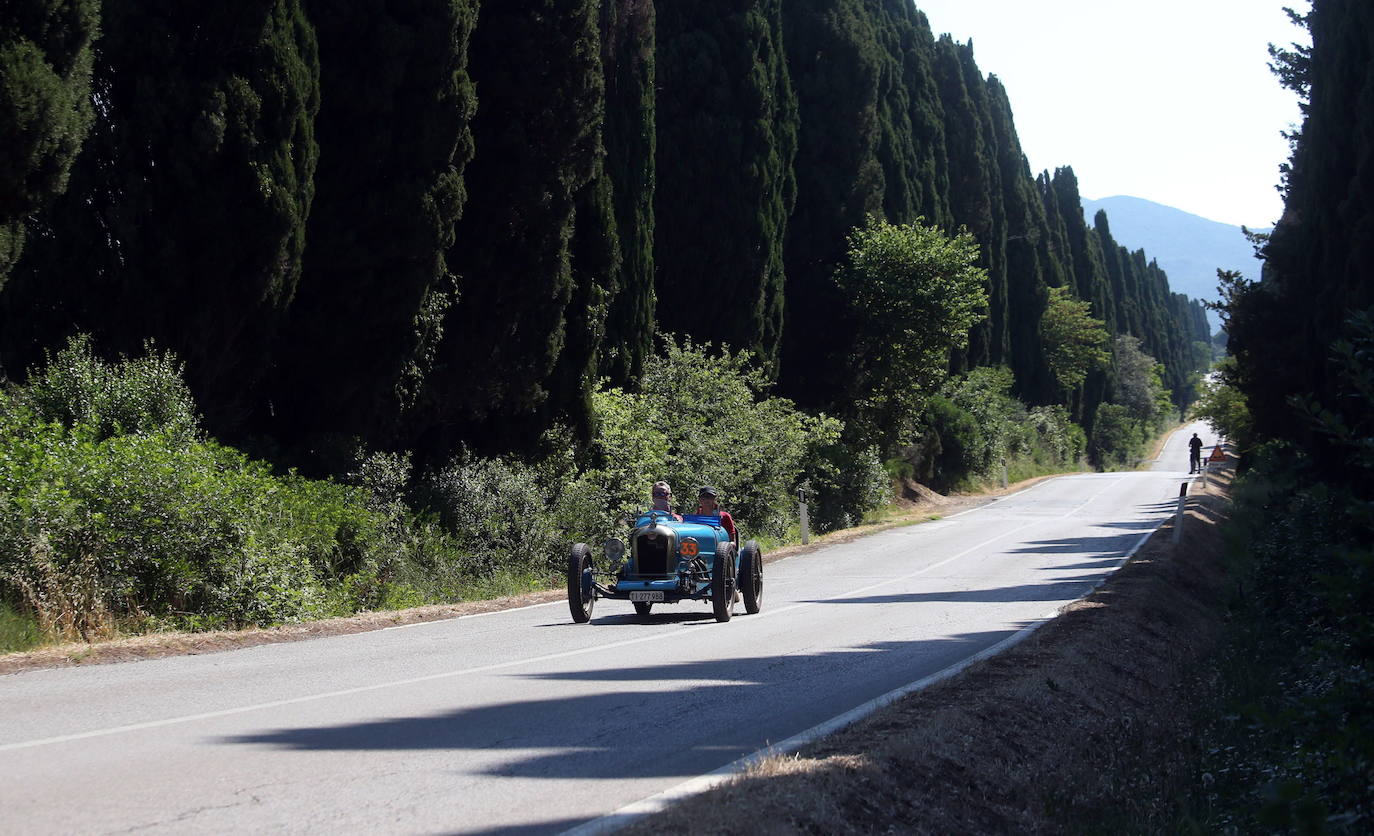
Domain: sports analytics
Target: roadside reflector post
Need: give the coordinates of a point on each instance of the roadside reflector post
(805, 522)
(1004, 473)
(1178, 517)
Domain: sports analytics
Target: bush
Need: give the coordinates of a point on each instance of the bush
(134, 395)
(499, 512)
(953, 445)
(701, 417)
(171, 526)
(846, 485)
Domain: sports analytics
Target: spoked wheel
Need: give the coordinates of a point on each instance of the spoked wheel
(751, 576)
(723, 586)
(581, 585)
(642, 608)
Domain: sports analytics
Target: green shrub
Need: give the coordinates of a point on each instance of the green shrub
(134, 395)
(156, 524)
(845, 485)
(701, 417)
(499, 513)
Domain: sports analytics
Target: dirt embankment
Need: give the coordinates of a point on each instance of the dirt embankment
(1084, 727)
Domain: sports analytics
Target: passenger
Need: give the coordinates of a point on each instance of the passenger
(663, 499)
(706, 506)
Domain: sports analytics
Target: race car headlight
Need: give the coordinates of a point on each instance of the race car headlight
(689, 547)
(615, 551)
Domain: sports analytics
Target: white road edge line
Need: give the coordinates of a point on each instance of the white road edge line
(659, 802)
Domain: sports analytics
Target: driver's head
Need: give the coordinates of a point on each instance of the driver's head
(706, 500)
(663, 495)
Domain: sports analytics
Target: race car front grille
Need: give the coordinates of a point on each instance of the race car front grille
(651, 555)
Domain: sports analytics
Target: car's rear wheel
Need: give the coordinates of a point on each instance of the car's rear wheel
(723, 586)
(581, 584)
(751, 576)
(642, 608)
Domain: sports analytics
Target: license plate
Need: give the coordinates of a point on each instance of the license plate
(646, 596)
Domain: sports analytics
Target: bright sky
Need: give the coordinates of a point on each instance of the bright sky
(1171, 100)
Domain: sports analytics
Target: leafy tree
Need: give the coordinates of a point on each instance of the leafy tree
(45, 106)
(917, 292)
(1139, 380)
(1075, 342)
(701, 417)
(1221, 404)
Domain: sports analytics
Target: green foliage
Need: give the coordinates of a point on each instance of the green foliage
(134, 395)
(700, 417)
(45, 106)
(975, 427)
(727, 112)
(1075, 342)
(918, 291)
(1222, 404)
(1140, 381)
(499, 514)
(1118, 438)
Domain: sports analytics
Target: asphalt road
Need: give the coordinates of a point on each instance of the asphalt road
(521, 721)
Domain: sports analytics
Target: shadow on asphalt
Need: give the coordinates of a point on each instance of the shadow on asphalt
(622, 733)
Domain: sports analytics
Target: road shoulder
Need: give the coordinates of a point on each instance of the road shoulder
(1086, 725)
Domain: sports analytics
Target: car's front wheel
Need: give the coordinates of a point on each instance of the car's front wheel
(581, 584)
(751, 576)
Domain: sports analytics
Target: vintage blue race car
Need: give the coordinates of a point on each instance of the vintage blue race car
(668, 561)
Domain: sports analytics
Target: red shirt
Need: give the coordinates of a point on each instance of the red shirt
(727, 522)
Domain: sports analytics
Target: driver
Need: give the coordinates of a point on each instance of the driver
(663, 499)
(706, 506)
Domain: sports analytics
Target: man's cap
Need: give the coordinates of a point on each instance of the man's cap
(707, 490)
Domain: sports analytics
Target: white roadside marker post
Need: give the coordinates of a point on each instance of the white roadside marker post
(805, 522)
(1178, 517)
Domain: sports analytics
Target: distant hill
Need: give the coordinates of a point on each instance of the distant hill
(1188, 247)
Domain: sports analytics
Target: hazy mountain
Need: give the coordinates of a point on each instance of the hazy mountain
(1188, 247)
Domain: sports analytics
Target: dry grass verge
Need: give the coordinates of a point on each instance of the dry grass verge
(1085, 726)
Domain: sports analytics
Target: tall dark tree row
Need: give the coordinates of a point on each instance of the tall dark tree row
(426, 223)
(872, 143)
(1320, 257)
(628, 58)
(975, 188)
(727, 111)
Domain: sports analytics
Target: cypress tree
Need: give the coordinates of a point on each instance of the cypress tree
(185, 220)
(727, 110)
(1321, 254)
(537, 66)
(45, 107)
(1031, 266)
(394, 132)
(975, 190)
(836, 64)
(628, 36)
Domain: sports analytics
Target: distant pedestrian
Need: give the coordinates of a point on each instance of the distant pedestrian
(1194, 454)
